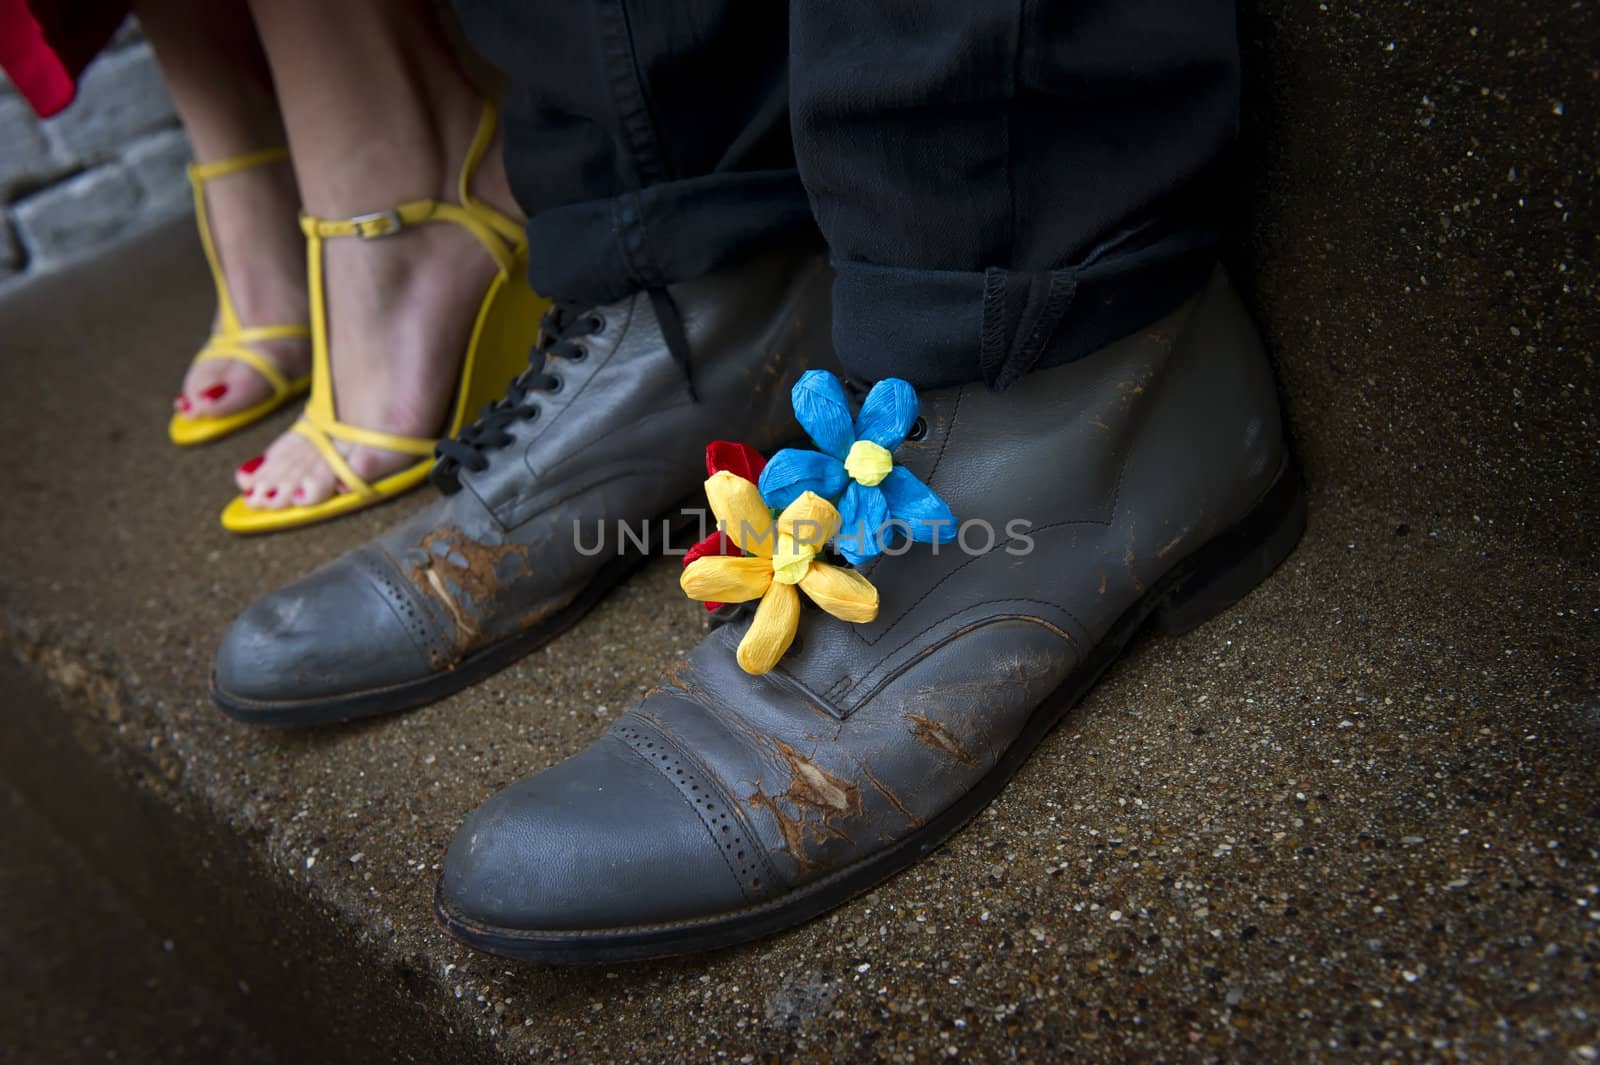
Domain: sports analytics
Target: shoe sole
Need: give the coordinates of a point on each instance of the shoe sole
(483, 663)
(1203, 585)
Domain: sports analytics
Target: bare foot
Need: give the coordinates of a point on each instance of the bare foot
(254, 228)
(400, 312)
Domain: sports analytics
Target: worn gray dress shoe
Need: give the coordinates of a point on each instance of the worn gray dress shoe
(1157, 487)
(609, 425)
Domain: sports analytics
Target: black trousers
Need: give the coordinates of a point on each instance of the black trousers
(1002, 185)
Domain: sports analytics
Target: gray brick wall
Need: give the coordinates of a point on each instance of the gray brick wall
(108, 165)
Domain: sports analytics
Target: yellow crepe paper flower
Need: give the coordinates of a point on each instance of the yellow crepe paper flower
(778, 557)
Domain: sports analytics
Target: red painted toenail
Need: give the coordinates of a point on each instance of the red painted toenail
(183, 404)
(271, 493)
(299, 493)
(252, 465)
(338, 486)
(215, 392)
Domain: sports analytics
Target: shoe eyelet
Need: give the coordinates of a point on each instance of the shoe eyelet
(577, 353)
(556, 385)
(919, 429)
(596, 323)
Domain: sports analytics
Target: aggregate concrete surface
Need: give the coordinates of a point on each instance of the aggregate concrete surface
(86, 980)
(1354, 816)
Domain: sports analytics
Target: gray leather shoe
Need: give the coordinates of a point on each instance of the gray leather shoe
(609, 425)
(1157, 487)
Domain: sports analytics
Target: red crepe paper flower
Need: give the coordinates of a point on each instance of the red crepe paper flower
(740, 459)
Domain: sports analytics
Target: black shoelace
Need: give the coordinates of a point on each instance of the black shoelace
(559, 331)
(563, 325)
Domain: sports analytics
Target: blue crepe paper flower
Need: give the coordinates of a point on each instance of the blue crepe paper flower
(854, 468)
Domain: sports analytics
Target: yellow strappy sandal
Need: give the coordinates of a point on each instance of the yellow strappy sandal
(232, 340)
(497, 350)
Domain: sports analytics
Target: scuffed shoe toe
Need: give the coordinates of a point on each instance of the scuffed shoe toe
(601, 840)
(330, 635)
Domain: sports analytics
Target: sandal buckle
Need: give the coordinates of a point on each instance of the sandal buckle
(361, 221)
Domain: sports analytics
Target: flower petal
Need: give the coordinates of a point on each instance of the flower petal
(926, 516)
(844, 593)
(726, 580)
(804, 529)
(771, 631)
(741, 459)
(887, 413)
(792, 472)
(823, 412)
(863, 517)
(715, 544)
(741, 513)
(810, 520)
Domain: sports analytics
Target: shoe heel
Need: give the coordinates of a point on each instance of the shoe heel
(1230, 566)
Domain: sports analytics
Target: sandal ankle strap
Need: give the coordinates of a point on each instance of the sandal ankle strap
(500, 235)
(199, 173)
(381, 224)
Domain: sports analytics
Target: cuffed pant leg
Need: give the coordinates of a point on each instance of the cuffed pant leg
(648, 143)
(1010, 185)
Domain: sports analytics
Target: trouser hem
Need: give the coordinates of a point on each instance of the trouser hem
(937, 328)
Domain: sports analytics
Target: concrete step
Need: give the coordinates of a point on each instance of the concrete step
(1356, 814)
(86, 979)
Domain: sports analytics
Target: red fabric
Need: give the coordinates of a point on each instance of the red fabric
(741, 459)
(45, 44)
(30, 62)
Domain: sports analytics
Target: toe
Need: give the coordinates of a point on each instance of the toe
(266, 490)
(313, 485)
(212, 399)
(216, 387)
(265, 497)
(292, 473)
(203, 376)
(245, 474)
(286, 463)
